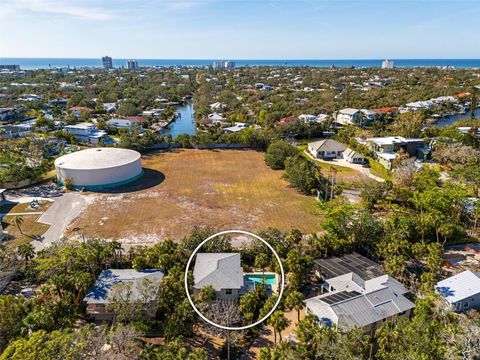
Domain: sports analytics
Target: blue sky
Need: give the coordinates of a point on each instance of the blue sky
(241, 29)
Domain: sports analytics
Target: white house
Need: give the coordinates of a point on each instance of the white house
(216, 117)
(353, 157)
(110, 107)
(87, 132)
(152, 112)
(359, 294)
(218, 106)
(122, 123)
(307, 117)
(348, 116)
(239, 126)
(222, 271)
(322, 117)
(462, 291)
(326, 149)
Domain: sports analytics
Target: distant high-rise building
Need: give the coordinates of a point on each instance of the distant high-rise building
(10, 67)
(107, 62)
(223, 64)
(387, 64)
(132, 64)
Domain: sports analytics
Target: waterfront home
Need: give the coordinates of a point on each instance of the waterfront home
(461, 291)
(358, 294)
(419, 105)
(87, 133)
(222, 271)
(152, 112)
(353, 157)
(326, 149)
(99, 295)
(126, 123)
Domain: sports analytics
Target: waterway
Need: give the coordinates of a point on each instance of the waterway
(449, 120)
(185, 123)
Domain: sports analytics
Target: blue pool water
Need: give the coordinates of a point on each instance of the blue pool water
(258, 278)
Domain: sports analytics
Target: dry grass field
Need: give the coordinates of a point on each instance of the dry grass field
(224, 189)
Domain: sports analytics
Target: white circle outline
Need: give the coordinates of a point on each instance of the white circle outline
(229, 327)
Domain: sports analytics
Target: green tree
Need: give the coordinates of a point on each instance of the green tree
(294, 301)
(262, 261)
(279, 322)
(302, 174)
(18, 221)
(26, 251)
(278, 152)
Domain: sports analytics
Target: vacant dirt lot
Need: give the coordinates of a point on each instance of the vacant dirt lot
(224, 189)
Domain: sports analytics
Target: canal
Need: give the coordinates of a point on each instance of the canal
(185, 123)
(449, 120)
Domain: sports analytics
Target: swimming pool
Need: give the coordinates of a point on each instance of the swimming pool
(270, 279)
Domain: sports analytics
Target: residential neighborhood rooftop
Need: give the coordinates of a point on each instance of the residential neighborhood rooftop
(111, 277)
(221, 270)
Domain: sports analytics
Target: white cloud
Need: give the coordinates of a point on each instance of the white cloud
(55, 7)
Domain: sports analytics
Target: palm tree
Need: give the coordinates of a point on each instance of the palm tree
(279, 323)
(294, 301)
(18, 221)
(26, 251)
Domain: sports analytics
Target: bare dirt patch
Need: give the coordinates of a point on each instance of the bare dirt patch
(224, 189)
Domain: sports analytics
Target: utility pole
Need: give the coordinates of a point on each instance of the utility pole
(334, 172)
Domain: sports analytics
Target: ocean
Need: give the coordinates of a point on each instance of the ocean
(45, 63)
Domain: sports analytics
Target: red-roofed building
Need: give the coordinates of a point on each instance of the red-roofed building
(386, 110)
(286, 120)
(463, 95)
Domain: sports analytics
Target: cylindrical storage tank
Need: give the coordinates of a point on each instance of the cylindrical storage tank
(99, 168)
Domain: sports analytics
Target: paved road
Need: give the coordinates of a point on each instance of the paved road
(63, 211)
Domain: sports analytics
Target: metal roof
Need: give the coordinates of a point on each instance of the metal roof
(358, 310)
(108, 278)
(460, 286)
(221, 270)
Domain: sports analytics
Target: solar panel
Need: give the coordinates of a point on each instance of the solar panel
(334, 298)
(356, 263)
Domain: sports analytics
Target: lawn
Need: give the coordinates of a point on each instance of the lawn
(224, 189)
(30, 228)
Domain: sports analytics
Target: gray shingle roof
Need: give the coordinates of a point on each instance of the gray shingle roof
(327, 145)
(108, 278)
(221, 270)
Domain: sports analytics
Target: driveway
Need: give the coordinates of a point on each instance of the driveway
(342, 162)
(63, 211)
